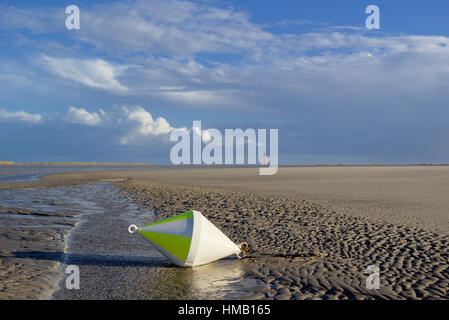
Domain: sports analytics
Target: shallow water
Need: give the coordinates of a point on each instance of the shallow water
(32, 172)
(113, 263)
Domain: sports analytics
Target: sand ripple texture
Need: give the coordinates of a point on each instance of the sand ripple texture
(302, 250)
(42, 225)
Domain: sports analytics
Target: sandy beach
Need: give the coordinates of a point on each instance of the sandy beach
(312, 231)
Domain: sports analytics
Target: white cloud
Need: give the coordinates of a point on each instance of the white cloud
(174, 27)
(95, 73)
(142, 125)
(334, 56)
(81, 116)
(10, 116)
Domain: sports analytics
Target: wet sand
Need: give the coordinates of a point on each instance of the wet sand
(115, 264)
(24, 277)
(313, 231)
(39, 242)
(33, 229)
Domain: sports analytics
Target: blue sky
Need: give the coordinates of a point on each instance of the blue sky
(114, 90)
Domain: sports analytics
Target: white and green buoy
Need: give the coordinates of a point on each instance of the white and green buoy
(189, 239)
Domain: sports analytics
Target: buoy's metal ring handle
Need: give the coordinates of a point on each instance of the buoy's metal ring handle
(133, 228)
(243, 246)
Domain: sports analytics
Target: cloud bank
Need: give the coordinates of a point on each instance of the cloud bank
(334, 93)
(20, 116)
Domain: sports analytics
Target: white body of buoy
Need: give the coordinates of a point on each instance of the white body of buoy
(188, 239)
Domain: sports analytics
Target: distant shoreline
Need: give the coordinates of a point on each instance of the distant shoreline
(196, 166)
(73, 163)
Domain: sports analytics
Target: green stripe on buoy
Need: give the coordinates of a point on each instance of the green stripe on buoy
(178, 246)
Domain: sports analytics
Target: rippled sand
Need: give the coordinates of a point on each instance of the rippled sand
(306, 250)
(315, 230)
(39, 225)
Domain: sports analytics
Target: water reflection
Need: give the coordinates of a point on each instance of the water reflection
(33, 172)
(219, 279)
